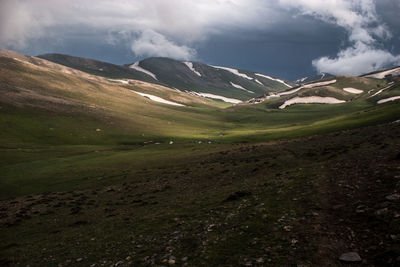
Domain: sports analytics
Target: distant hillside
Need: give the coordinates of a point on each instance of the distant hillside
(335, 90)
(381, 74)
(97, 67)
(195, 77)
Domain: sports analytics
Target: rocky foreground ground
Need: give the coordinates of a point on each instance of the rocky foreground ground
(324, 200)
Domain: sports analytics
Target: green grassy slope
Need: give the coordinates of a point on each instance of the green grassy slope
(43, 107)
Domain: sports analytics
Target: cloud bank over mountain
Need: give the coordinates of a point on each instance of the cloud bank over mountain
(153, 27)
(180, 28)
(365, 31)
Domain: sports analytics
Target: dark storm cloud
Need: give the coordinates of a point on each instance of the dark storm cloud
(280, 37)
(154, 27)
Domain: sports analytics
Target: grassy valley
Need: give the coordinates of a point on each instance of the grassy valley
(92, 172)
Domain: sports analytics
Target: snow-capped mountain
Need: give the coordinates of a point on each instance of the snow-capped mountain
(186, 76)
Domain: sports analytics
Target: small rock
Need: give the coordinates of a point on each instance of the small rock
(361, 209)
(287, 228)
(78, 259)
(171, 261)
(294, 241)
(382, 211)
(393, 197)
(260, 260)
(184, 258)
(350, 257)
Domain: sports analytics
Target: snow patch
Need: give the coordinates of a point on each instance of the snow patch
(311, 100)
(273, 79)
(190, 66)
(383, 89)
(353, 90)
(388, 99)
(138, 68)
(234, 71)
(119, 81)
(311, 85)
(289, 92)
(301, 80)
(240, 87)
(225, 99)
(381, 75)
(257, 81)
(158, 99)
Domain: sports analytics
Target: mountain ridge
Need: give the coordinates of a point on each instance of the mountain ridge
(221, 81)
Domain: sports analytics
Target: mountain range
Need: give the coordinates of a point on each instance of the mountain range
(185, 76)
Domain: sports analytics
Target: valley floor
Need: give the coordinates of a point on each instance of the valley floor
(293, 202)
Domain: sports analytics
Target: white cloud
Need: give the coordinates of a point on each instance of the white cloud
(18, 25)
(360, 20)
(356, 60)
(151, 43)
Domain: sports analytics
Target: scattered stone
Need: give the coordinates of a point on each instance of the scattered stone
(184, 258)
(171, 261)
(78, 259)
(260, 260)
(361, 209)
(382, 211)
(98, 130)
(350, 257)
(393, 197)
(288, 228)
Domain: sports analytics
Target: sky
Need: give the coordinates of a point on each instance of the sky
(283, 38)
